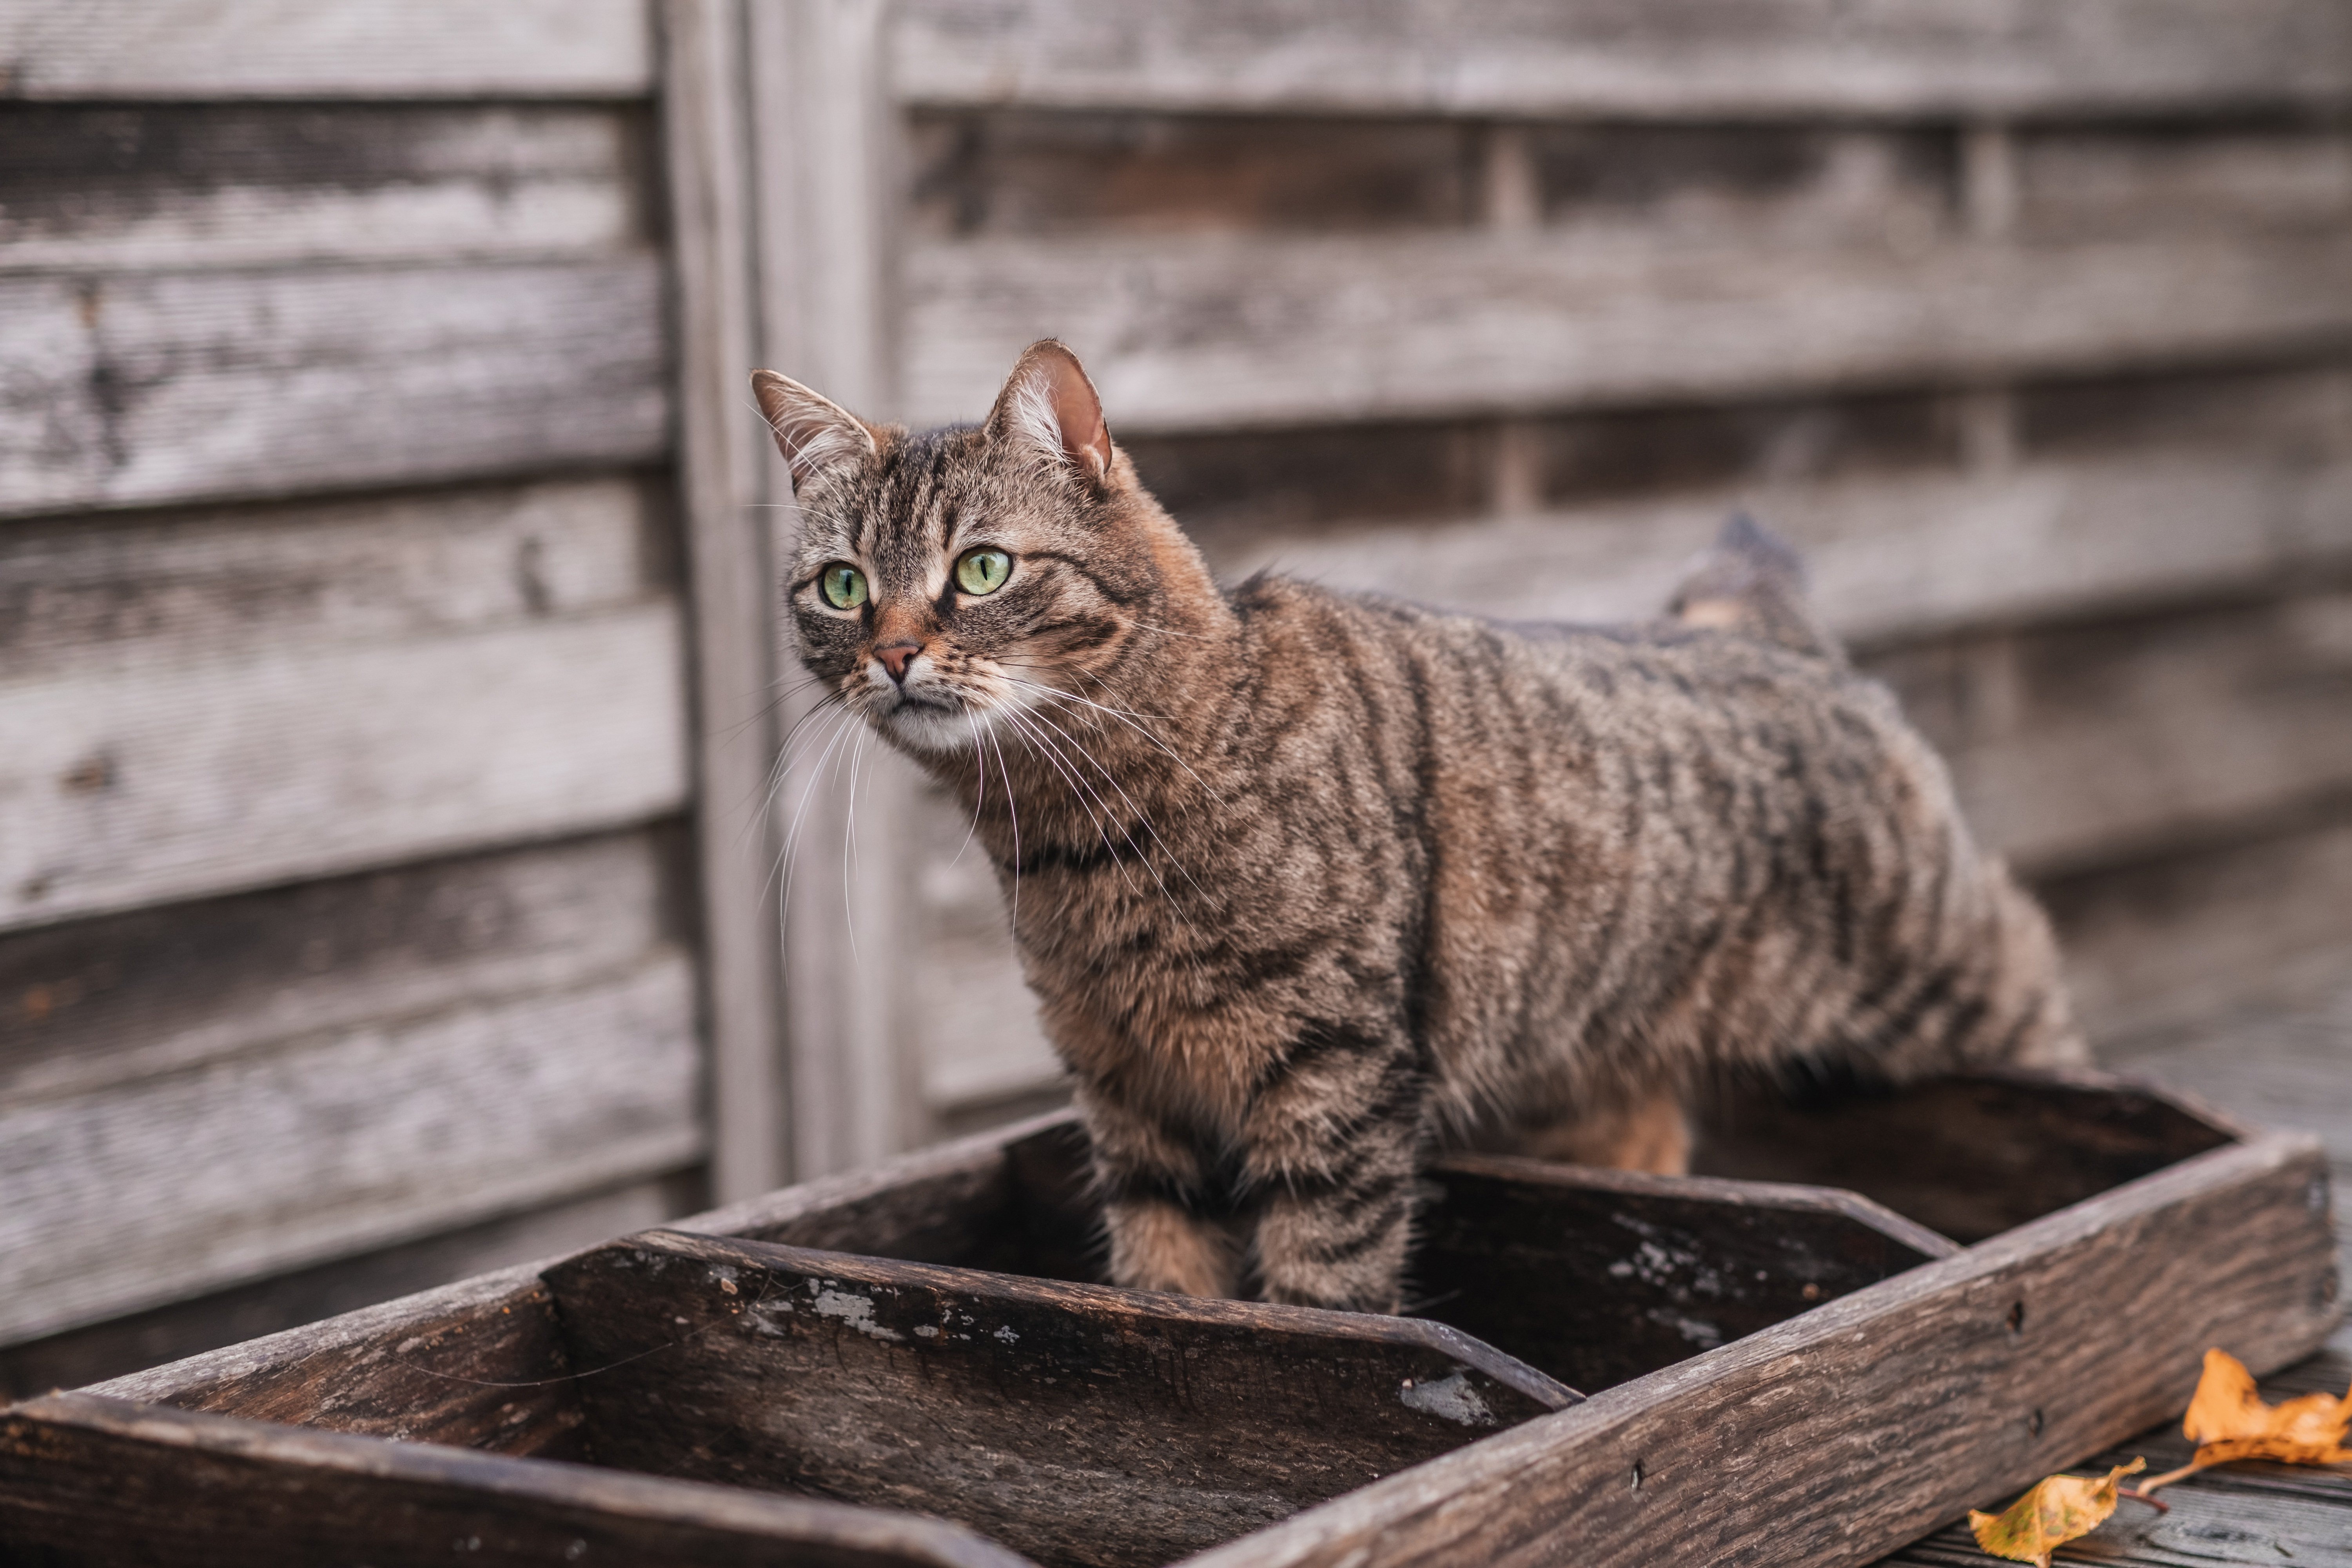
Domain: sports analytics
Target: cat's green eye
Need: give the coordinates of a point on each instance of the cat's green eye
(844, 586)
(984, 571)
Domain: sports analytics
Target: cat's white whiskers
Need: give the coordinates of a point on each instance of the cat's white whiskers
(1174, 906)
(1046, 749)
(789, 857)
(1130, 720)
(849, 851)
(1140, 815)
(780, 771)
(980, 800)
(1011, 811)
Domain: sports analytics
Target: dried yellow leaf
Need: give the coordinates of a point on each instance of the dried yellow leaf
(2228, 1420)
(2058, 1509)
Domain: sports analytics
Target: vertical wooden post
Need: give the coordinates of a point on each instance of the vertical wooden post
(1510, 199)
(720, 484)
(1989, 198)
(826, 178)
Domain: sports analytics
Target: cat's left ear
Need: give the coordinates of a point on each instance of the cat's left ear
(1049, 409)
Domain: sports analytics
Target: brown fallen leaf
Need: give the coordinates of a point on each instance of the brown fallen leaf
(2058, 1509)
(2228, 1420)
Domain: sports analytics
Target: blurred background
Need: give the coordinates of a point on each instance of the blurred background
(389, 683)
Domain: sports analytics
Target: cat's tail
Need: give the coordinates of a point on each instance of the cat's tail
(1753, 582)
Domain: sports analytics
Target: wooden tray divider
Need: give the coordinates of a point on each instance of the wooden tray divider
(1077, 1423)
(1600, 1276)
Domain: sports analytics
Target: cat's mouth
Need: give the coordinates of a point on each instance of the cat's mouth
(929, 718)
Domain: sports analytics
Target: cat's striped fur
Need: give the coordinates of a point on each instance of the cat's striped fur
(1308, 883)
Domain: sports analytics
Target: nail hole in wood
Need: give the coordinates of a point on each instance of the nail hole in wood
(1637, 1475)
(2016, 1319)
(2033, 1425)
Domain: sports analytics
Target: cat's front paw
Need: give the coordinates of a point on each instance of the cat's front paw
(1157, 1245)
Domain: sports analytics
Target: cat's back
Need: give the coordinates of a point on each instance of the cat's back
(1637, 833)
(1484, 689)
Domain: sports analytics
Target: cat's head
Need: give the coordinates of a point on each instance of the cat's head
(945, 577)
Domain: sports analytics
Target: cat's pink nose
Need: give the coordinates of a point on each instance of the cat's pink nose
(896, 657)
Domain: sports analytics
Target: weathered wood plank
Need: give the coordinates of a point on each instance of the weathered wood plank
(83, 594)
(1734, 1455)
(2111, 181)
(142, 1341)
(92, 1003)
(142, 390)
(1692, 59)
(135, 786)
(2159, 947)
(93, 1480)
(1211, 332)
(1890, 555)
(126, 1198)
(1968, 1158)
(282, 49)
(182, 187)
(2103, 744)
(1078, 1424)
(2280, 1068)
(735, 627)
(1600, 1276)
(476, 1364)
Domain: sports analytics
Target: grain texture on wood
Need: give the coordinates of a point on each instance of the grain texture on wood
(1210, 332)
(284, 49)
(1599, 1277)
(730, 569)
(184, 187)
(85, 594)
(1738, 1455)
(159, 782)
(1700, 59)
(2106, 179)
(128, 1196)
(178, 1329)
(146, 389)
(2281, 1066)
(2114, 742)
(1078, 1424)
(2157, 946)
(93, 1480)
(476, 1364)
(93, 1003)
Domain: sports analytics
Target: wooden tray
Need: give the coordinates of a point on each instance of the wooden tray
(1936, 1297)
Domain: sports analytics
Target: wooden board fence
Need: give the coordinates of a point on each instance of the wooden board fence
(165, 387)
(1688, 59)
(259, 1163)
(1214, 334)
(282, 49)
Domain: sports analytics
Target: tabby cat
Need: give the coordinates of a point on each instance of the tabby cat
(1309, 883)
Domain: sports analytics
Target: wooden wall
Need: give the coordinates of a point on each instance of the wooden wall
(348, 897)
(385, 673)
(2031, 325)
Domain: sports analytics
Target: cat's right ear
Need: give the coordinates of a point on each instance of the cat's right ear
(813, 432)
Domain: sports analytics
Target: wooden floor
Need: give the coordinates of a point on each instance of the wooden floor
(2285, 1068)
